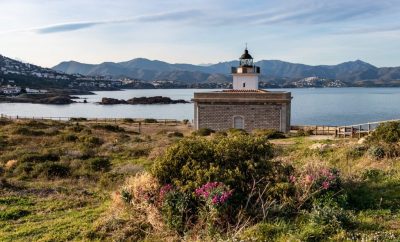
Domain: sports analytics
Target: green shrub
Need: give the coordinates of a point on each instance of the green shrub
(100, 164)
(38, 158)
(76, 128)
(175, 134)
(387, 133)
(376, 152)
(13, 214)
(3, 141)
(174, 209)
(52, 170)
(302, 132)
(185, 121)
(269, 133)
(233, 131)
(69, 137)
(128, 120)
(235, 161)
(356, 152)
(203, 132)
(109, 127)
(28, 132)
(150, 120)
(91, 140)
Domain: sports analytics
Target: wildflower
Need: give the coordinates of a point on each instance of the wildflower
(292, 179)
(325, 185)
(309, 179)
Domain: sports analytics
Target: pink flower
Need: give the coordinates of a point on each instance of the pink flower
(309, 179)
(215, 200)
(292, 179)
(325, 185)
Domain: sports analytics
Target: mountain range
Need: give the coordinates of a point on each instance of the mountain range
(351, 72)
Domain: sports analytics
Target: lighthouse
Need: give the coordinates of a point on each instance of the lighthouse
(246, 75)
(245, 106)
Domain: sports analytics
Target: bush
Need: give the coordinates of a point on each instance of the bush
(234, 131)
(150, 120)
(302, 132)
(52, 170)
(100, 164)
(376, 152)
(91, 140)
(28, 132)
(3, 141)
(356, 152)
(174, 206)
(203, 132)
(237, 161)
(387, 133)
(69, 137)
(175, 134)
(76, 128)
(13, 214)
(109, 127)
(185, 121)
(38, 158)
(269, 133)
(128, 120)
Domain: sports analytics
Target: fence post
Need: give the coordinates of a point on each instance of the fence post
(359, 131)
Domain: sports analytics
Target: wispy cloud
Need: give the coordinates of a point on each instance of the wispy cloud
(66, 27)
(176, 16)
(369, 30)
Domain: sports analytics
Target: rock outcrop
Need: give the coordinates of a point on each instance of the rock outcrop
(142, 100)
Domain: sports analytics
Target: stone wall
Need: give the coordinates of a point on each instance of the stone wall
(219, 116)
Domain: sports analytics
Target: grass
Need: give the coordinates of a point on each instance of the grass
(99, 157)
(78, 165)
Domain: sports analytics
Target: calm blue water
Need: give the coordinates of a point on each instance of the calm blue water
(325, 106)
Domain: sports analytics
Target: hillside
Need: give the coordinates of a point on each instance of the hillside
(351, 72)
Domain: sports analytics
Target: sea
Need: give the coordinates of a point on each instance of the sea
(310, 106)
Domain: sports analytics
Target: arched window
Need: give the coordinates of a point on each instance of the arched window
(238, 122)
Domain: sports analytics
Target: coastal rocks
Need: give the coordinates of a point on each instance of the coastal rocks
(141, 100)
(41, 99)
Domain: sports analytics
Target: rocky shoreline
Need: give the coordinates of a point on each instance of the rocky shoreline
(39, 99)
(142, 100)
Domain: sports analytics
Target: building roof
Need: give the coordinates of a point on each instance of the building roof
(244, 90)
(246, 55)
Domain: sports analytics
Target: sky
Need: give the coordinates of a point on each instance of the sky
(46, 32)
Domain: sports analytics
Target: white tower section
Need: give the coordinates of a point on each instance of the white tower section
(246, 75)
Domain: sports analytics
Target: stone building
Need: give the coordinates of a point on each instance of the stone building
(245, 106)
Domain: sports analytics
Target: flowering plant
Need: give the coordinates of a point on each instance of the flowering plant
(315, 180)
(214, 193)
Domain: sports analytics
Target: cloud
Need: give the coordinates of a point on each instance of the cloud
(160, 17)
(66, 27)
(368, 30)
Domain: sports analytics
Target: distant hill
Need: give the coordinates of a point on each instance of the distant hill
(350, 72)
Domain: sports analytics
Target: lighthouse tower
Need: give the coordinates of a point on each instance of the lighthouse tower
(246, 75)
(245, 106)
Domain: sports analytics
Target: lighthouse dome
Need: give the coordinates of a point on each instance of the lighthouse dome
(246, 55)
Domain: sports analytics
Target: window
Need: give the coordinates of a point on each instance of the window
(244, 84)
(238, 122)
